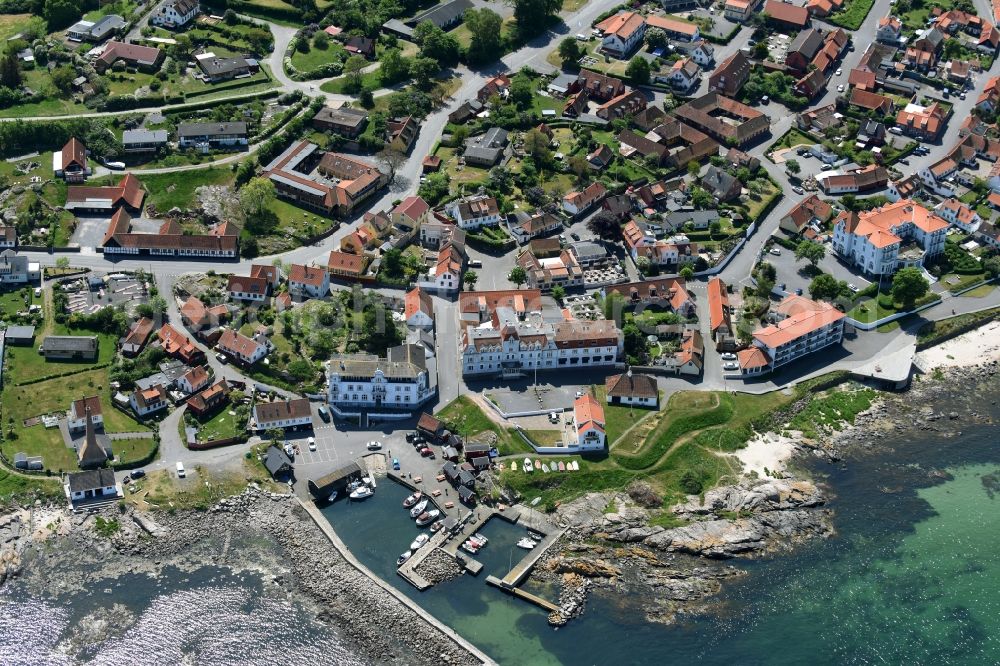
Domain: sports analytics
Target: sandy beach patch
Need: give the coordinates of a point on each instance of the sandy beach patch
(972, 348)
(767, 454)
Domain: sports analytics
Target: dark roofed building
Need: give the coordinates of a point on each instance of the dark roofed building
(217, 69)
(322, 487)
(344, 121)
(92, 484)
(214, 135)
(473, 450)
(144, 140)
(19, 335)
(720, 184)
(431, 427)
(466, 495)
(362, 46)
(486, 149)
(632, 389)
(70, 347)
(446, 15)
(277, 462)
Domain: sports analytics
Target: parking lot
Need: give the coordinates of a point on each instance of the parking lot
(795, 274)
(88, 294)
(522, 395)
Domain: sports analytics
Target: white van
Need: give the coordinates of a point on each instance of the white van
(180, 471)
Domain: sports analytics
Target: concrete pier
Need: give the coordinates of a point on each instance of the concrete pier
(521, 594)
(342, 548)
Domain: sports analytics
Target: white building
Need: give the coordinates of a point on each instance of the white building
(958, 214)
(76, 417)
(883, 240)
(240, 347)
(623, 33)
(588, 423)
(805, 326)
(308, 281)
(446, 275)
(632, 389)
(399, 381)
(418, 309)
(175, 13)
(282, 414)
(17, 269)
(194, 379)
(91, 484)
(475, 212)
(148, 401)
(509, 347)
(703, 53)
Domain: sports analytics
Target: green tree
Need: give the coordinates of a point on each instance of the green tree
(908, 285)
(394, 67)
(10, 70)
(62, 262)
(520, 91)
(687, 273)
(715, 228)
(518, 276)
(693, 168)
(558, 293)
(62, 78)
(392, 263)
(992, 266)
(470, 278)
(353, 71)
(255, 197)
(485, 26)
(638, 70)
(378, 332)
(824, 287)
(605, 225)
(656, 39)
(321, 40)
(61, 14)
(436, 43)
(423, 70)
(536, 144)
(532, 16)
(570, 51)
(702, 199)
(793, 167)
(811, 251)
(634, 343)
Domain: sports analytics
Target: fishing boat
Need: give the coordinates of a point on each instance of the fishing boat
(402, 558)
(562, 466)
(538, 464)
(527, 465)
(361, 493)
(526, 543)
(435, 527)
(469, 548)
(419, 541)
(428, 517)
(535, 535)
(412, 499)
(368, 481)
(418, 509)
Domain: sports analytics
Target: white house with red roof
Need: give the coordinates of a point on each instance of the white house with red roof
(589, 424)
(308, 281)
(622, 33)
(240, 347)
(883, 240)
(418, 309)
(804, 326)
(957, 213)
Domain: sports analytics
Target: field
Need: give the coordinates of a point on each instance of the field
(316, 57)
(11, 24)
(169, 189)
(26, 364)
(200, 490)
(55, 395)
(18, 486)
(853, 14)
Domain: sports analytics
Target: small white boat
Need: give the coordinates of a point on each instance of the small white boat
(361, 492)
(527, 465)
(469, 548)
(412, 499)
(535, 536)
(428, 517)
(436, 527)
(479, 539)
(419, 541)
(332, 496)
(526, 543)
(418, 509)
(368, 481)
(402, 558)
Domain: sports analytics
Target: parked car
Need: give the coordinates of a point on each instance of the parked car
(895, 130)
(765, 99)
(395, 463)
(324, 413)
(731, 365)
(839, 71)
(853, 287)
(475, 263)
(410, 436)
(427, 453)
(553, 417)
(180, 470)
(575, 236)
(222, 358)
(797, 189)
(798, 291)
(312, 443)
(840, 88)
(728, 356)
(137, 474)
(374, 445)
(775, 251)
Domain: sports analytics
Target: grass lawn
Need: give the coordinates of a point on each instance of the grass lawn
(916, 19)
(619, 418)
(200, 490)
(11, 24)
(316, 57)
(295, 225)
(826, 411)
(793, 138)
(467, 419)
(870, 310)
(339, 85)
(53, 396)
(15, 486)
(25, 363)
(545, 437)
(123, 8)
(17, 299)
(573, 5)
(756, 206)
(221, 426)
(853, 14)
(459, 174)
(980, 291)
(168, 190)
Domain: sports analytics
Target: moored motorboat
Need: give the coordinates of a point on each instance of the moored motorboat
(437, 526)
(470, 548)
(402, 558)
(535, 535)
(419, 541)
(412, 499)
(361, 492)
(479, 539)
(418, 509)
(428, 517)
(526, 543)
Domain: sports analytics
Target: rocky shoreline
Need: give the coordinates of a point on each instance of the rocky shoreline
(258, 531)
(613, 543)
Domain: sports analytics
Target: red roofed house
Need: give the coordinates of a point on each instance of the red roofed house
(177, 345)
(345, 265)
(589, 424)
(885, 239)
(922, 122)
(719, 314)
(807, 326)
(308, 281)
(194, 379)
(238, 346)
(145, 58)
(249, 289)
(127, 193)
(989, 99)
(664, 293)
(622, 33)
(786, 15)
(810, 210)
(675, 28)
(730, 75)
(418, 309)
(957, 213)
(70, 163)
(410, 213)
(147, 401)
(575, 203)
(210, 399)
(632, 389)
(137, 336)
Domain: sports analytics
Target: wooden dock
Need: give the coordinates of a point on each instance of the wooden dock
(521, 594)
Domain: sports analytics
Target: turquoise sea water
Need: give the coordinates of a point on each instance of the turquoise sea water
(912, 576)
